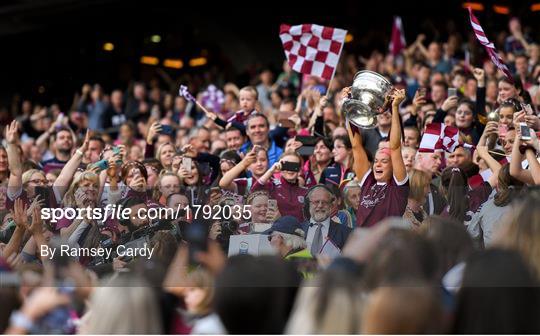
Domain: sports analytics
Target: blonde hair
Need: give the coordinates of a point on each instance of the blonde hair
(69, 197)
(521, 232)
(256, 194)
(418, 182)
(160, 149)
(27, 175)
(156, 194)
(321, 309)
(251, 90)
(295, 154)
(126, 296)
(201, 279)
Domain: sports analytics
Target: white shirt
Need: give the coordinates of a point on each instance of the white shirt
(208, 325)
(311, 231)
(453, 278)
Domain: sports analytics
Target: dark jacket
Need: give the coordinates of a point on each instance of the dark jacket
(337, 233)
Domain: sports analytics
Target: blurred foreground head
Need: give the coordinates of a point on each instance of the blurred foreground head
(254, 295)
(124, 305)
(499, 295)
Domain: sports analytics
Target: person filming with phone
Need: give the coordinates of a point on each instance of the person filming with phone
(525, 147)
(288, 189)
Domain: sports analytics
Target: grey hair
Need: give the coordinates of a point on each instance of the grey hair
(293, 241)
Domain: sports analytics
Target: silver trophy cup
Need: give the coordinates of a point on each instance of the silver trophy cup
(368, 93)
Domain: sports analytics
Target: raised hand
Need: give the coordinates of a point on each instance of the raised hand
(532, 121)
(250, 158)
(518, 117)
(112, 170)
(176, 162)
(123, 152)
(36, 228)
(138, 184)
(42, 301)
(534, 141)
(478, 74)
(189, 151)
(36, 203)
(397, 97)
(277, 166)
(346, 92)
(153, 130)
(215, 231)
(12, 129)
(183, 173)
(19, 214)
(313, 97)
(482, 151)
(86, 142)
(450, 103)
(295, 118)
(492, 127)
(420, 38)
(419, 98)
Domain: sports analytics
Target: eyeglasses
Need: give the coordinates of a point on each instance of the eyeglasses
(39, 181)
(320, 202)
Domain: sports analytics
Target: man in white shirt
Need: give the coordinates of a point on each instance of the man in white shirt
(319, 226)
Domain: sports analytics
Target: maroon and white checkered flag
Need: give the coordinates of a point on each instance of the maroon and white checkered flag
(431, 140)
(490, 48)
(312, 49)
(438, 136)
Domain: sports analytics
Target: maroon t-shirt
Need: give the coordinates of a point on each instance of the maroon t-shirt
(289, 197)
(380, 200)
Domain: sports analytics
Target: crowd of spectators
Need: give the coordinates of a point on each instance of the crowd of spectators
(369, 233)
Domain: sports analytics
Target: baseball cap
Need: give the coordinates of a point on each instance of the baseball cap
(286, 224)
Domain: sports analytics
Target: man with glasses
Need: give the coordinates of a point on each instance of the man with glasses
(320, 226)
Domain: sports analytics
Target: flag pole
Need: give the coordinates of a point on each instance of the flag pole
(340, 117)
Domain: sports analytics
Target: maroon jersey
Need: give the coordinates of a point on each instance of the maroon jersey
(289, 197)
(240, 117)
(380, 200)
(308, 175)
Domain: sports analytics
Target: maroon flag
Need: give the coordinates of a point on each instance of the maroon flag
(397, 43)
(490, 48)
